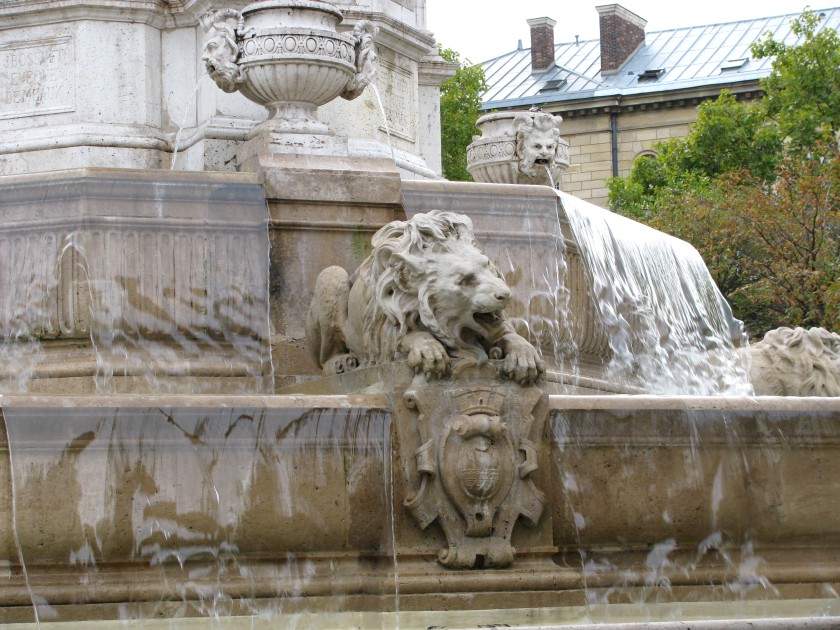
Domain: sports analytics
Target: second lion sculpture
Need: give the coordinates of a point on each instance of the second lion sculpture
(426, 294)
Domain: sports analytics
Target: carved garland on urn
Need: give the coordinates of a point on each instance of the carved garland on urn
(297, 41)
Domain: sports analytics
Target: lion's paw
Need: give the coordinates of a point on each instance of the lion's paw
(429, 356)
(341, 363)
(523, 364)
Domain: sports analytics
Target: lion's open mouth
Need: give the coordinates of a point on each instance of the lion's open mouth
(542, 161)
(488, 320)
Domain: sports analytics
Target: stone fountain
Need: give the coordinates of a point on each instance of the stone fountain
(301, 381)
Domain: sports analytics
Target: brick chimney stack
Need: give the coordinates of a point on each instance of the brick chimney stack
(622, 34)
(542, 43)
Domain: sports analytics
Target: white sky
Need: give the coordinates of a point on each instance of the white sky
(483, 29)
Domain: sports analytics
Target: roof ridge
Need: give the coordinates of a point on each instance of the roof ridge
(676, 28)
(754, 19)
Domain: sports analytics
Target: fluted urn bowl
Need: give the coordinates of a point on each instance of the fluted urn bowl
(294, 60)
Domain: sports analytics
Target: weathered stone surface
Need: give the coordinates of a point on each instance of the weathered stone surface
(305, 488)
(118, 83)
(425, 293)
(796, 362)
(476, 443)
(133, 281)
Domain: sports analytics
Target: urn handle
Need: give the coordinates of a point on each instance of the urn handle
(363, 35)
(221, 48)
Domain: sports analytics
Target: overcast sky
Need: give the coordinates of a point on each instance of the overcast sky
(484, 29)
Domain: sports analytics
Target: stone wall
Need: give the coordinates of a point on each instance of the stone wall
(590, 147)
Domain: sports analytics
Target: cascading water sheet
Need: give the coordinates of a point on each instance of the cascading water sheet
(155, 282)
(197, 501)
(669, 328)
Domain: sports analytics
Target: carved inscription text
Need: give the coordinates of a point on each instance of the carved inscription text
(36, 77)
(400, 100)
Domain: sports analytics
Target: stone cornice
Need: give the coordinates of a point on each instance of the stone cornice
(414, 42)
(157, 13)
(434, 70)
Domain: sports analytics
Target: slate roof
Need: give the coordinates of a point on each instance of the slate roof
(689, 57)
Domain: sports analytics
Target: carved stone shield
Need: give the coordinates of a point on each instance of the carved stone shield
(475, 464)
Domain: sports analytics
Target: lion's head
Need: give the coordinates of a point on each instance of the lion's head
(537, 142)
(428, 274)
(796, 362)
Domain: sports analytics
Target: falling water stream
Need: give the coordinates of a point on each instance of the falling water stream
(187, 110)
(670, 331)
(384, 120)
(15, 534)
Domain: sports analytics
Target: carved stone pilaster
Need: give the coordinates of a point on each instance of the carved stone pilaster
(479, 444)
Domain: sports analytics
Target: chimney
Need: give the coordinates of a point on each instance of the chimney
(542, 43)
(622, 34)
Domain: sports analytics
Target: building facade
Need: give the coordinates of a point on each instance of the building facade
(620, 94)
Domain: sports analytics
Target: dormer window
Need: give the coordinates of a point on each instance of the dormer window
(733, 64)
(651, 75)
(553, 85)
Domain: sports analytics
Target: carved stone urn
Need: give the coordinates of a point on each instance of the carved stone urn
(518, 147)
(287, 56)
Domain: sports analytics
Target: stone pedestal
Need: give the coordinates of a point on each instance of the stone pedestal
(120, 83)
(115, 281)
(324, 203)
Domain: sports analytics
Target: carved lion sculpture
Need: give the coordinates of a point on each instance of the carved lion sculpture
(796, 362)
(537, 141)
(426, 294)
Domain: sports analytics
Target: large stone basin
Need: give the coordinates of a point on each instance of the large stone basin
(130, 507)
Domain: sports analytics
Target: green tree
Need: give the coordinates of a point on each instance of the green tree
(773, 249)
(756, 187)
(728, 136)
(802, 94)
(460, 100)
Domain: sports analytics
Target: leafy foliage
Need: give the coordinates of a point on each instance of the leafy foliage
(460, 100)
(728, 136)
(802, 95)
(756, 187)
(773, 249)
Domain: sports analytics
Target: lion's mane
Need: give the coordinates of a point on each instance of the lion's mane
(796, 362)
(398, 297)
